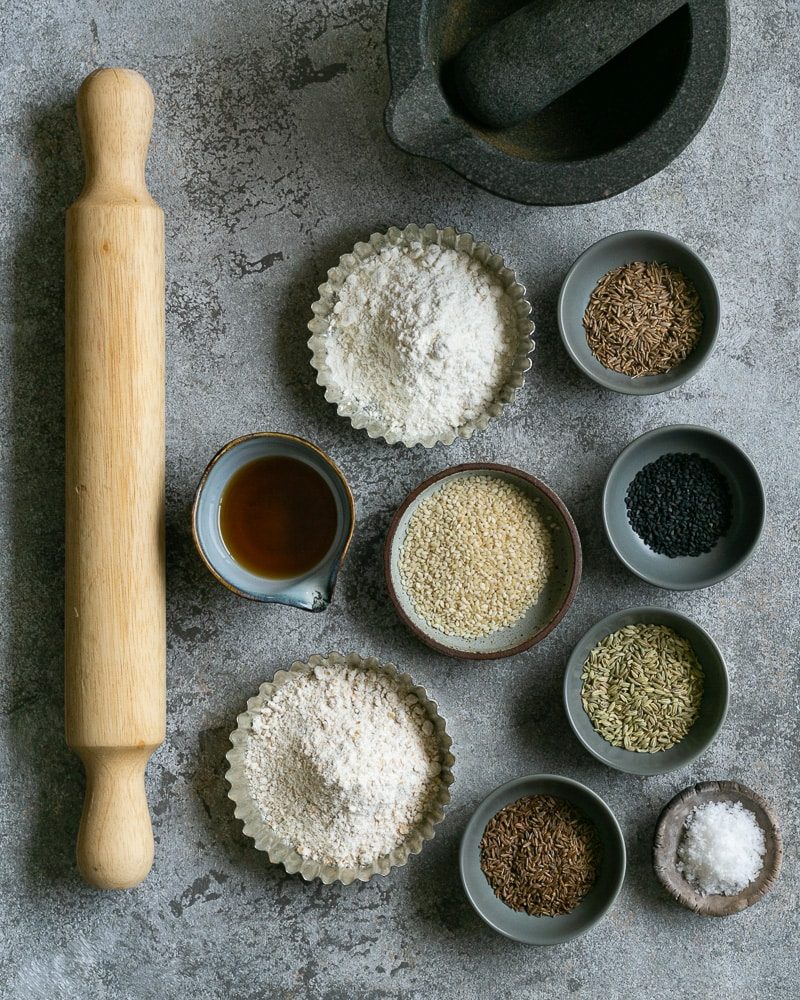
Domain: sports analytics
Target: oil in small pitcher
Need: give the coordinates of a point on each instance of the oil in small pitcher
(278, 517)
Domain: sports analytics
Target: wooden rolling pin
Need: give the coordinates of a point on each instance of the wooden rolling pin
(115, 592)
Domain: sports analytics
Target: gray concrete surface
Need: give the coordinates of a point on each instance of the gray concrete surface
(270, 159)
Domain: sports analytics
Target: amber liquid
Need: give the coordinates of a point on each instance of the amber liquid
(277, 517)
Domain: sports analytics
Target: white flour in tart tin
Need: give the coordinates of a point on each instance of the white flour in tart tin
(421, 336)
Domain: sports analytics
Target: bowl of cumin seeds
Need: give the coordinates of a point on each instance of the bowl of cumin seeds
(542, 859)
(639, 312)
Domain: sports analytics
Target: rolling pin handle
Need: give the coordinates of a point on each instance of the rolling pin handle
(115, 117)
(115, 840)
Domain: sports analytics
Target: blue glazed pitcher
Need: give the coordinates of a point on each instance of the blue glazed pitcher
(313, 590)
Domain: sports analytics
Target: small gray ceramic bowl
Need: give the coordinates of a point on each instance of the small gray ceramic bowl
(592, 908)
(313, 590)
(730, 552)
(713, 707)
(614, 251)
(541, 618)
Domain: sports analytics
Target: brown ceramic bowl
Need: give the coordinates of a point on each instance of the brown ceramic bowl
(668, 835)
(541, 618)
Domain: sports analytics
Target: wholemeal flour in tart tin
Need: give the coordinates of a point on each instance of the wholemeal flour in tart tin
(456, 351)
(250, 727)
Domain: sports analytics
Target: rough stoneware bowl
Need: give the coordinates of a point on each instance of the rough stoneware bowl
(713, 707)
(541, 618)
(313, 590)
(615, 251)
(730, 552)
(592, 908)
(264, 836)
(426, 235)
(668, 836)
(619, 126)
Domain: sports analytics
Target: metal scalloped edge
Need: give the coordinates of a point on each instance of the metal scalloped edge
(263, 837)
(322, 309)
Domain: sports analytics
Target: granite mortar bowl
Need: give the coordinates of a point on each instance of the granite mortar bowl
(621, 124)
(541, 618)
(713, 707)
(520, 926)
(615, 251)
(747, 515)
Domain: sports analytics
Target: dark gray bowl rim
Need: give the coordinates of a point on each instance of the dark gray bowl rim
(577, 560)
(639, 386)
(609, 622)
(734, 566)
(511, 791)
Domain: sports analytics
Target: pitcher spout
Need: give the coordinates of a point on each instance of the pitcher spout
(314, 593)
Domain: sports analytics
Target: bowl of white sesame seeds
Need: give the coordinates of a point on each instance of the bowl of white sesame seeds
(482, 561)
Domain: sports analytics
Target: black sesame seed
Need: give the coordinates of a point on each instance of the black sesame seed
(679, 505)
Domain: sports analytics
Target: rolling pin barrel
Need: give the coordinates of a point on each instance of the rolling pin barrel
(115, 656)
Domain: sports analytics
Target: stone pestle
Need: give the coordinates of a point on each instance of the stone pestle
(535, 55)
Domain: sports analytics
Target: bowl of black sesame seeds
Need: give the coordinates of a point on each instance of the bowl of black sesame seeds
(683, 507)
(639, 312)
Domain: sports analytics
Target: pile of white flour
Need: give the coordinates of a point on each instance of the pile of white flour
(342, 763)
(422, 339)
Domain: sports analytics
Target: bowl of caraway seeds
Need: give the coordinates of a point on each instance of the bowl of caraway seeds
(482, 561)
(683, 507)
(639, 312)
(646, 690)
(542, 859)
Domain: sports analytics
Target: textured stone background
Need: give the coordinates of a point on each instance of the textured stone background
(270, 159)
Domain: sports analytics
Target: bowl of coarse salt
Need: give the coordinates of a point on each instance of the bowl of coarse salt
(340, 768)
(717, 848)
(421, 336)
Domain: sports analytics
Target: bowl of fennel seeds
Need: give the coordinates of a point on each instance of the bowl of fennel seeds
(646, 690)
(639, 312)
